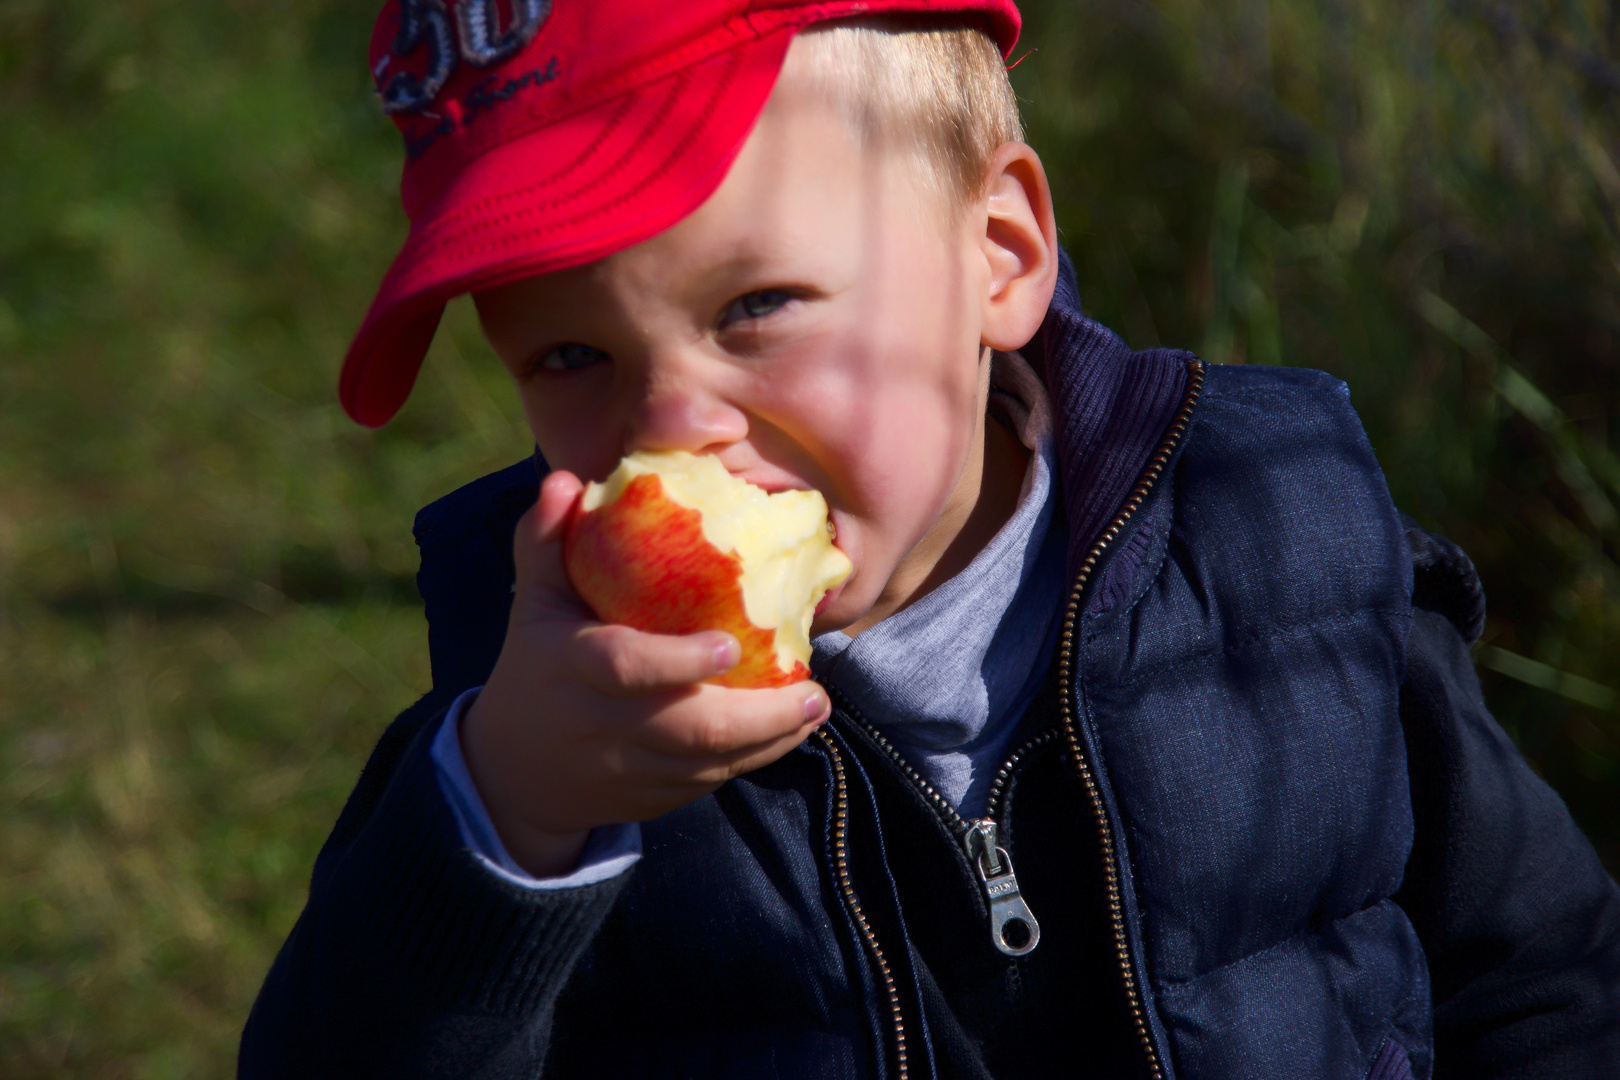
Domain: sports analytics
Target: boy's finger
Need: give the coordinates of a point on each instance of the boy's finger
(558, 493)
(721, 722)
(674, 773)
(536, 542)
(669, 783)
(754, 757)
(623, 662)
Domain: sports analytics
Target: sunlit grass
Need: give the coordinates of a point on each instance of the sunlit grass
(166, 785)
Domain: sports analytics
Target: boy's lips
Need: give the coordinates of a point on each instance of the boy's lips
(832, 594)
(836, 591)
(772, 484)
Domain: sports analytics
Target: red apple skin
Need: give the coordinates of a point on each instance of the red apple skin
(642, 561)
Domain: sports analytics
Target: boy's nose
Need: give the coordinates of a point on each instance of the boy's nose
(679, 415)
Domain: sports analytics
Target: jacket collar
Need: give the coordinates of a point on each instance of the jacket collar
(1111, 407)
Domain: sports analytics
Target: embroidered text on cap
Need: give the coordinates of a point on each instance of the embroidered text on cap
(475, 37)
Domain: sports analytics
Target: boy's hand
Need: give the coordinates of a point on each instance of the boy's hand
(584, 724)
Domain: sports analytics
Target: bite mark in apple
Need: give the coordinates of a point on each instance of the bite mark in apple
(671, 543)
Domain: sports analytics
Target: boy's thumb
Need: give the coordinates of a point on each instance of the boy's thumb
(537, 542)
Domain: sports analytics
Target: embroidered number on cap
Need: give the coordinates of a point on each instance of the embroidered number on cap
(478, 19)
(418, 20)
(482, 43)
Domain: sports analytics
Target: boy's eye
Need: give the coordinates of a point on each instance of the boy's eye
(570, 356)
(755, 305)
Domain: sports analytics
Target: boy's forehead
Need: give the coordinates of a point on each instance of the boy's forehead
(792, 206)
(804, 194)
(541, 134)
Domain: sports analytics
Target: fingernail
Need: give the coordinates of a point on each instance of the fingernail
(726, 653)
(815, 706)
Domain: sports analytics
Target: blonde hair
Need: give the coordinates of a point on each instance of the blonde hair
(937, 91)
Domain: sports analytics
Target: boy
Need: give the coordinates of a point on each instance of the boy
(1150, 631)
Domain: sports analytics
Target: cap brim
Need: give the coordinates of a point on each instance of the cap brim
(573, 192)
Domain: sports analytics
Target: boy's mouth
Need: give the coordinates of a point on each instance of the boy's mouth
(771, 485)
(832, 594)
(837, 590)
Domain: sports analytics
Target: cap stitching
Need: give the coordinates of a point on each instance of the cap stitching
(608, 128)
(646, 181)
(440, 241)
(428, 262)
(689, 55)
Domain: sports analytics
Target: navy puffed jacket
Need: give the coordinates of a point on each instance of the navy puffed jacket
(1260, 815)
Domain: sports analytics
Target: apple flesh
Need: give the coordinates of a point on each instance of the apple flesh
(672, 543)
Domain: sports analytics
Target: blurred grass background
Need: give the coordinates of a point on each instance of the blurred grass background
(206, 606)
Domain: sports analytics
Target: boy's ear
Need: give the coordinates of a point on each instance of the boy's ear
(1020, 246)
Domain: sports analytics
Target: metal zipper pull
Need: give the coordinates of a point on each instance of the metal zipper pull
(1013, 928)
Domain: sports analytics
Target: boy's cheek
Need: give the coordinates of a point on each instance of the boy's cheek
(580, 448)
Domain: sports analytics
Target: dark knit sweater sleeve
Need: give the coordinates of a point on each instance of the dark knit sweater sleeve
(1519, 921)
(411, 959)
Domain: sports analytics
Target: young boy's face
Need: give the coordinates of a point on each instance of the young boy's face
(815, 324)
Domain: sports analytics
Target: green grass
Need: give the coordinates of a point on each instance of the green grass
(206, 607)
(168, 781)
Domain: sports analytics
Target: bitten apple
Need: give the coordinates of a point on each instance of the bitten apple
(672, 543)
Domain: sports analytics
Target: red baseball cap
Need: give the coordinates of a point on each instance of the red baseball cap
(544, 134)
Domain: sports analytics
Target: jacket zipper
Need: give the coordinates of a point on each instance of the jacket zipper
(979, 837)
(852, 902)
(1013, 928)
(1070, 726)
(958, 824)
